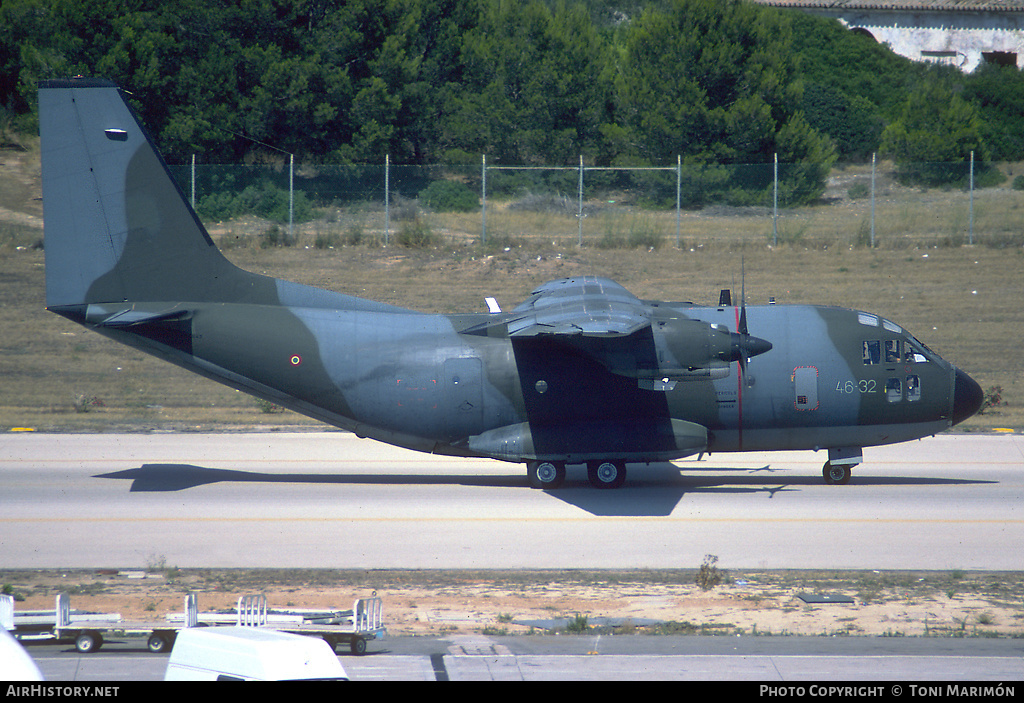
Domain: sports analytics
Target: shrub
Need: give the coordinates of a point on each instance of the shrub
(578, 625)
(449, 196)
(709, 576)
(858, 191)
(266, 201)
(415, 235)
(993, 398)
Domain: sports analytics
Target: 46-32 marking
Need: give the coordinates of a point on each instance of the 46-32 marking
(865, 385)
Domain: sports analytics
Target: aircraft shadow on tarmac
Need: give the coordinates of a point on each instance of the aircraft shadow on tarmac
(650, 491)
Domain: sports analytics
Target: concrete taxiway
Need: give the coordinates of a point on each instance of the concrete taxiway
(329, 499)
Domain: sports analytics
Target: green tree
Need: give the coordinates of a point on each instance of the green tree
(998, 92)
(853, 63)
(533, 85)
(719, 82)
(852, 123)
(699, 80)
(932, 140)
(713, 82)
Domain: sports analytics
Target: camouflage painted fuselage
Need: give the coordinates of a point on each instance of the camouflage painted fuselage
(580, 372)
(417, 381)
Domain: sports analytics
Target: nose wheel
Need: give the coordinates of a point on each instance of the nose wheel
(837, 474)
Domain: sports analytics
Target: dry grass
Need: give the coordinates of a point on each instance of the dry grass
(965, 302)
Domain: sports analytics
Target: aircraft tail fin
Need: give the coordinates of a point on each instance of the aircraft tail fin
(117, 227)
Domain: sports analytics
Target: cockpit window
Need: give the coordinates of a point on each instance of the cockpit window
(916, 353)
(871, 350)
(892, 351)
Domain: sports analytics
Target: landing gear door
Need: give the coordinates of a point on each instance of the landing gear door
(805, 388)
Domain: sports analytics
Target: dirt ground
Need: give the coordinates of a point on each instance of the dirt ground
(902, 604)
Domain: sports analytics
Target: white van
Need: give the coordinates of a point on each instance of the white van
(250, 654)
(15, 662)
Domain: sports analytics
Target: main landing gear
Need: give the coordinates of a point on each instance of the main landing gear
(606, 474)
(837, 474)
(551, 474)
(545, 474)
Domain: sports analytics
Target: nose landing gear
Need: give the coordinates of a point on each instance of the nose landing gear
(837, 474)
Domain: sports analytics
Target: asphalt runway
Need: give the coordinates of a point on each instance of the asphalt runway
(331, 500)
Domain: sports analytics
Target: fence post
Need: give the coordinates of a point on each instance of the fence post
(291, 198)
(970, 229)
(483, 199)
(775, 202)
(387, 197)
(873, 155)
(679, 186)
(579, 216)
(193, 181)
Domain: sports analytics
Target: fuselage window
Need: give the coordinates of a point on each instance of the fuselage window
(913, 388)
(872, 352)
(893, 390)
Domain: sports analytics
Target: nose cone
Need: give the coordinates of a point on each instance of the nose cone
(967, 397)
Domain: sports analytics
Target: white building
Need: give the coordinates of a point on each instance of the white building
(963, 33)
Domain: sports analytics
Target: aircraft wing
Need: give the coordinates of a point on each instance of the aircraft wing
(587, 306)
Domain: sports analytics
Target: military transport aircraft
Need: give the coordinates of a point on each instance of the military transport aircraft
(581, 372)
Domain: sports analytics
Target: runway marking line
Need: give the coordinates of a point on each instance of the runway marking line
(602, 518)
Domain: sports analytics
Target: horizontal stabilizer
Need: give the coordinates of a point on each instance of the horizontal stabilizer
(96, 314)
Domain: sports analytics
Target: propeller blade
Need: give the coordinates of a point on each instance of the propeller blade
(743, 297)
(747, 346)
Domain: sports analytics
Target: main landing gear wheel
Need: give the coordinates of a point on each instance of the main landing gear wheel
(606, 474)
(837, 474)
(545, 474)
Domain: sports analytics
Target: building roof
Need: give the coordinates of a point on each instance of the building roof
(903, 5)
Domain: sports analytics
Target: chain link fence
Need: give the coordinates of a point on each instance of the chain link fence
(875, 204)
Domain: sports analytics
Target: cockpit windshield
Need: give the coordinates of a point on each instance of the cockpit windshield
(904, 349)
(917, 351)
